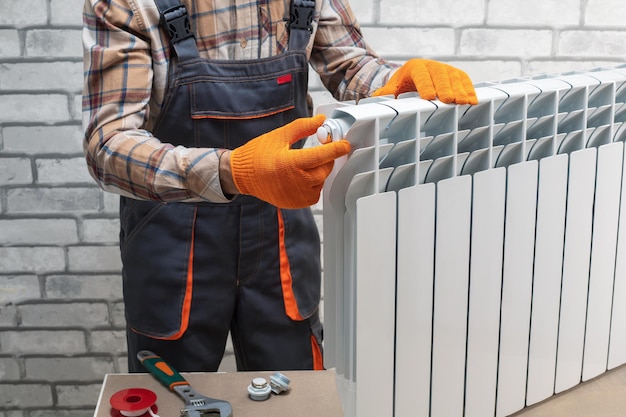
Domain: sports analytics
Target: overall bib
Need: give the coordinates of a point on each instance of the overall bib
(194, 272)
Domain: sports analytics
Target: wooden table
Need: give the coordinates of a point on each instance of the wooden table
(311, 394)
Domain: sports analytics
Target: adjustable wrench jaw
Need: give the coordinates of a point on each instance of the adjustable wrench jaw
(223, 409)
(198, 405)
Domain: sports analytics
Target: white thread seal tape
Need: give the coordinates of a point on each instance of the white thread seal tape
(134, 402)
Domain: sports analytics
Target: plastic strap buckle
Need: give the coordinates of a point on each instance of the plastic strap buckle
(302, 15)
(177, 23)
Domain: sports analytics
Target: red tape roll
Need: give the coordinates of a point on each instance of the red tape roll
(133, 402)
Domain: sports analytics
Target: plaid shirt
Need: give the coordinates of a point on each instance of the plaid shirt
(126, 66)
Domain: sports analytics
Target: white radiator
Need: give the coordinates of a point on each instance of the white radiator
(474, 259)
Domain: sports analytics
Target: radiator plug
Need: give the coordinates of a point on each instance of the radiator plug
(332, 130)
(259, 389)
(279, 383)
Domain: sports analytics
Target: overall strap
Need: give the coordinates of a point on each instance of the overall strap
(301, 23)
(175, 19)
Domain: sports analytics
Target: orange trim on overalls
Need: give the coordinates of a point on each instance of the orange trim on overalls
(291, 305)
(186, 309)
(318, 359)
(255, 116)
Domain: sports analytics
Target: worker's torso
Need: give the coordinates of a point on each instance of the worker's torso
(220, 103)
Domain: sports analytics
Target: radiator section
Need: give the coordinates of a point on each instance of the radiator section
(474, 256)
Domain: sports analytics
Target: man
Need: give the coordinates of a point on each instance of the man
(194, 113)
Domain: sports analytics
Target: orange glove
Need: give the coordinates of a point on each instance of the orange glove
(267, 167)
(431, 79)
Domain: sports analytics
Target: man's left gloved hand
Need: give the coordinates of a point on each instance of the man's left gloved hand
(431, 79)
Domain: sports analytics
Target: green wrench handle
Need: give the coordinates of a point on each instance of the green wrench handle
(167, 375)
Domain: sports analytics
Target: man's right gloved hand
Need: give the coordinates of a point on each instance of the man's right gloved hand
(267, 167)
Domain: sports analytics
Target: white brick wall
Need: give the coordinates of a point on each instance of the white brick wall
(61, 313)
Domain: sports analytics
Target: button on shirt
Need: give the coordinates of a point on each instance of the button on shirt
(126, 65)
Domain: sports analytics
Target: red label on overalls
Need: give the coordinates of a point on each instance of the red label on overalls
(283, 79)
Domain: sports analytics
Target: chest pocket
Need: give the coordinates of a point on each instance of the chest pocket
(248, 90)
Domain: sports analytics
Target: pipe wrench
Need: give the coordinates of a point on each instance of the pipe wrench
(196, 405)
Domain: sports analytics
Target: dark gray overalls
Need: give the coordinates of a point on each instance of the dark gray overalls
(194, 272)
